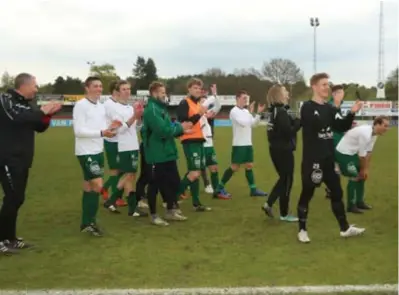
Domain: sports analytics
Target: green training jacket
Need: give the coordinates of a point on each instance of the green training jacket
(337, 136)
(159, 133)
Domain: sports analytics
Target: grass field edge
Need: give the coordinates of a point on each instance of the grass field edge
(216, 291)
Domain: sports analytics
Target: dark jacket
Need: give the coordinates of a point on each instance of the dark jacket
(19, 119)
(158, 133)
(182, 116)
(337, 136)
(282, 128)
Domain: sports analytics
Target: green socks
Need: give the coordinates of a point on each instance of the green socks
(194, 189)
(214, 179)
(360, 192)
(132, 202)
(249, 174)
(351, 193)
(184, 183)
(90, 203)
(116, 194)
(226, 177)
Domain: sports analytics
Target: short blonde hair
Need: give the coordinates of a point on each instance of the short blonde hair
(275, 95)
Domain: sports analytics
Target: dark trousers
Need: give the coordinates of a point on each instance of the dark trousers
(283, 161)
(314, 172)
(165, 178)
(14, 179)
(144, 177)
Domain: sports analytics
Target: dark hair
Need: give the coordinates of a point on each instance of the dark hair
(119, 84)
(241, 92)
(112, 86)
(317, 77)
(336, 88)
(91, 79)
(22, 79)
(154, 86)
(379, 120)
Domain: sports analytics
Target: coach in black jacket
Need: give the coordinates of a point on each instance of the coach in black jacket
(281, 133)
(19, 119)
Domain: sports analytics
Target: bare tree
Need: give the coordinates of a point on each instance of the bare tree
(282, 71)
(247, 72)
(214, 72)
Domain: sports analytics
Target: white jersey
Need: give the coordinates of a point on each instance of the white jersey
(207, 131)
(242, 121)
(88, 122)
(127, 136)
(359, 140)
(110, 105)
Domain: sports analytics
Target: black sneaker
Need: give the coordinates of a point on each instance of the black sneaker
(268, 210)
(19, 243)
(201, 208)
(364, 206)
(92, 229)
(111, 208)
(258, 193)
(354, 209)
(4, 250)
(138, 213)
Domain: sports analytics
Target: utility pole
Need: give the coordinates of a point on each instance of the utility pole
(314, 23)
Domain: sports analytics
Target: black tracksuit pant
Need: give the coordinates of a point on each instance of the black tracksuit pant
(14, 179)
(165, 178)
(283, 161)
(314, 172)
(145, 175)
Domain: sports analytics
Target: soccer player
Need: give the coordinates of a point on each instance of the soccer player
(89, 124)
(190, 110)
(318, 119)
(281, 133)
(19, 120)
(111, 147)
(128, 150)
(336, 100)
(161, 152)
(209, 150)
(243, 120)
(353, 154)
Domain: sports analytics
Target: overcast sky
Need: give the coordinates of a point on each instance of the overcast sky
(57, 37)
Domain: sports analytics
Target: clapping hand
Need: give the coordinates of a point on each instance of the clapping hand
(138, 109)
(261, 108)
(252, 107)
(51, 108)
(114, 125)
(357, 106)
(108, 133)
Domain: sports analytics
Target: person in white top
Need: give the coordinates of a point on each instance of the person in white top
(211, 163)
(353, 154)
(90, 128)
(128, 149)
(111, 147)
(243, 121)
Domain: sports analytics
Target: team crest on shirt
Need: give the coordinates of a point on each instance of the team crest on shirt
(95, 168)
(352, 168)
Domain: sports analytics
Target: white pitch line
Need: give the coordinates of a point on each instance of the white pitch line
(372, 289)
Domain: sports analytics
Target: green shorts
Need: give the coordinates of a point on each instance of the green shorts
(349, 165)
(128, 161)
(210, 156)
(111, 151)
(92, 166)
(242, 154)
(195, 156)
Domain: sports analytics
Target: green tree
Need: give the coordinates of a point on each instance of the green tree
(107, 73)
(68, 85)
(7, 81)
(391, 87)
(144, 73)
(150, 73)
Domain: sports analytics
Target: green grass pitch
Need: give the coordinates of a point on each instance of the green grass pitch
(235, 245)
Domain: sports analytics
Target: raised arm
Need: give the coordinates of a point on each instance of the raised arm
(19, 114)
(243, 119)
(79, 124)
(340, 123)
